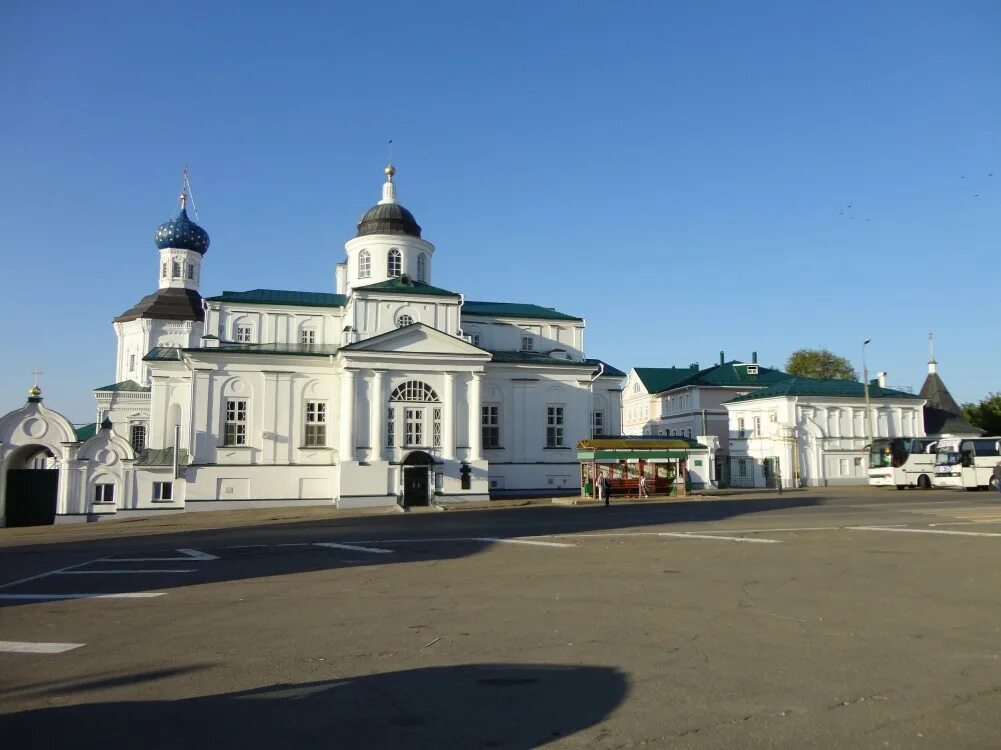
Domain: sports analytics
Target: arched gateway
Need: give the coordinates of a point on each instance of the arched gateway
(32, 487)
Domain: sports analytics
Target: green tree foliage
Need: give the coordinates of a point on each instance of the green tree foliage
(820, 363)
(986, 414)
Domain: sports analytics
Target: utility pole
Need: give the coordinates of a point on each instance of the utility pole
(865, 384)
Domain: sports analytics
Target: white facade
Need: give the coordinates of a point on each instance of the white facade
(389, 391)
(818, 440)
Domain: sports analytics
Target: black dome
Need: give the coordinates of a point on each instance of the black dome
(388, 218)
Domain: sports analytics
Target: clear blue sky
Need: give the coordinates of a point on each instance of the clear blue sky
(674, 172)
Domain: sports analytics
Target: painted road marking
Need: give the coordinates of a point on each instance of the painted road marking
(49, 573)
(923, 531)
(24, 647)
(355, 548)
(42, 597)
(523, 541)
(683, 535)
(189, 556)
(119, 572)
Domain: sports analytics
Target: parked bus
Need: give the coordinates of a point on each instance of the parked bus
(966, 462)
(902, 462)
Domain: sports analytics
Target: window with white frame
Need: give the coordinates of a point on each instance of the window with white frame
(741, 432)
(527, 343)
(163, 271)
(414, 397)
(104, 492)
(236, 421)
(364, 264)
(757, 426)
(191, 271)
(175, 269)
(163, 490)
(597, 423)
(316, 424)
(394, 263)
(243, 333)
(132, 363)
(307, 336)
(554, 426)
(137, 436)
(404, 320)
(490, 425)
(742, 468)
(422, 263)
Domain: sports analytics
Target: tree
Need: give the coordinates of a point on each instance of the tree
(820, 363)
(986, 414)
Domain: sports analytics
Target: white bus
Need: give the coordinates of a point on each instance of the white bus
(902, 462)
(966, 462)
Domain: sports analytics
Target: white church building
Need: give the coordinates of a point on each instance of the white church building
(387, 391)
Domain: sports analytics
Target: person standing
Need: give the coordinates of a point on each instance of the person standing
(644, 492)
(606, 489)
(997, 476)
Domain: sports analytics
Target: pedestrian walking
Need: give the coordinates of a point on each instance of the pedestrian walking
(997, 476)
(599, 487)
(644, 492)
(606, 489)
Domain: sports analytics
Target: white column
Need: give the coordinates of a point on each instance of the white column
(448, 418)
(347, 422)
(378, 409)
(475, 434)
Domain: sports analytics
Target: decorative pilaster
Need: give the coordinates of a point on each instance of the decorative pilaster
(347, 421)
(448, 418)
(376, 413)
(475, 433)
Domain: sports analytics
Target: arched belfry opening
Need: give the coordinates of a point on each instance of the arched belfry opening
(418, 478)
(31, 487)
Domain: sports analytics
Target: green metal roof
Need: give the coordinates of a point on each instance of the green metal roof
(731, 374)
(799, 386)
(540, 359)
(161, 457)
(282, 297)
(162, 354)
(85, 432)
(514, 310)
(399, 285)
(126, 386)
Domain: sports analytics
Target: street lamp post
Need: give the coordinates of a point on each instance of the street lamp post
(865, 385)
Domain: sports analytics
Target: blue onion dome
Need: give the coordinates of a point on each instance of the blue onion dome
(183, 234)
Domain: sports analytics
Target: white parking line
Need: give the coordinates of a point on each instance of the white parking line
(190, 555)
(923, 531)
(24, 647)
(355, 548)
(523, 541)
(49, 573)
(682, 535)
(42, 597)
(119, 572)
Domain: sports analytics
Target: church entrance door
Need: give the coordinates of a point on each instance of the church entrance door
(417, 479)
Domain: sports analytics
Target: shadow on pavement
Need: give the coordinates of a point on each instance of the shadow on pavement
(467, 706)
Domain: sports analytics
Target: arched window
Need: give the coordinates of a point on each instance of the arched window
(421, 267)
(395, 262)
(413, 415)
(364, 264)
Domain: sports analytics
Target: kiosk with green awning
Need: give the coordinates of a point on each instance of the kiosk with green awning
(624, 459)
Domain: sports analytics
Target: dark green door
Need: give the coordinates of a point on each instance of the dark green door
(31, 497)
(415, 486)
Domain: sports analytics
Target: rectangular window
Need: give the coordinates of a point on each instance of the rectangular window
(414, 426)
(742, 468)
(163, 490)
(391, 427)
(236, 421)
(137, 436)
(316, 424)
(741, 432)
(490, 423)
(554, 427)
(244, 334)
(598, 423)
(475, 339)
(436, 428)
(307, 336)
(527, 344)
(104, 493)
(163, 273)
(175, 269)
(132, 363)
(757, 425)
(191, 271)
